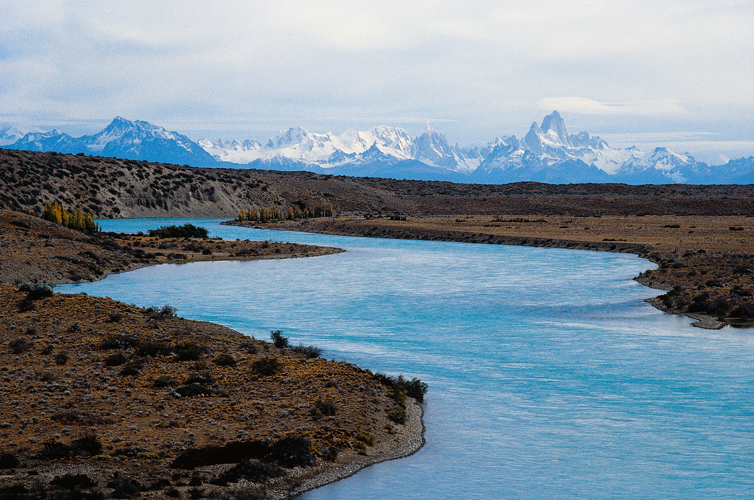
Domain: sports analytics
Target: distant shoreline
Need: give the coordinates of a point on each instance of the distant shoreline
(656, 238)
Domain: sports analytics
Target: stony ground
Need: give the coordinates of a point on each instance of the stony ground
(99, 398)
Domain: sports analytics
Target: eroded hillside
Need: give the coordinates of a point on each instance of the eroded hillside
(112, 188)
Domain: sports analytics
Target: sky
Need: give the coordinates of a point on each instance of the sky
(672, 73)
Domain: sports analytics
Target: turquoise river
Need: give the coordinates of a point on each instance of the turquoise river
(549, 376)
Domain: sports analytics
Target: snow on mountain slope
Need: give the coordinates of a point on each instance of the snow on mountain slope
(299, 144)
(128, 133)
(547, 153)
(232, 151)
(9, 135)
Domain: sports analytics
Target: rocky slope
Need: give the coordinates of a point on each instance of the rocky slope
(112, 188)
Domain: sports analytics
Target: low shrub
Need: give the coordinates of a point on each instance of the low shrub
(744, 311)
(116, 359)
(413, 388)
(225, 360)
(288, 452)
(166, 311)
(249, 346)
(154, 348)
(185, 231)
(17, 492)
(188, 351)
(73, 482)
(266, 366)
(36, 292)
(195, 389)
(123, 341)
(20, 345)
(365, 437)
(330, 454)
(203, 377)
(278, 339)
(165, 381)
(132, 369)
(61, 358)
(124, 487)
(309, 351)
(325, 407)
(26, 305)
(397, 415)
(254, 472)
(87, 445)
(74, 417)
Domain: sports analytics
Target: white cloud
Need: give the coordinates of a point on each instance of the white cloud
(485, 67)
(585, 106)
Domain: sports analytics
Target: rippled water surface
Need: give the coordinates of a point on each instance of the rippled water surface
(549, 376)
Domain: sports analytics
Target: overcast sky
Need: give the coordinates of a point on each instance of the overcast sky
(663, 72)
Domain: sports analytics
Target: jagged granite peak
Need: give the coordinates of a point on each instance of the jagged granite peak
(432, 147)
(583, 140)
(546, 153)
(554, 123)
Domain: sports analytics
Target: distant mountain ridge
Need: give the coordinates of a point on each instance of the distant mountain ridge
(546, 153)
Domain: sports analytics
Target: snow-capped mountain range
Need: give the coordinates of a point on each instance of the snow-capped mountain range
(546, 153)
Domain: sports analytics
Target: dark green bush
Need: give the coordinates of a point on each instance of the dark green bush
(397, 415)
(254, 472)
(36, 292)
(309, 351)
(61, 358)
(195, 389)
(278, 340)
(187, 230)
(413, 388)
(290, 451)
